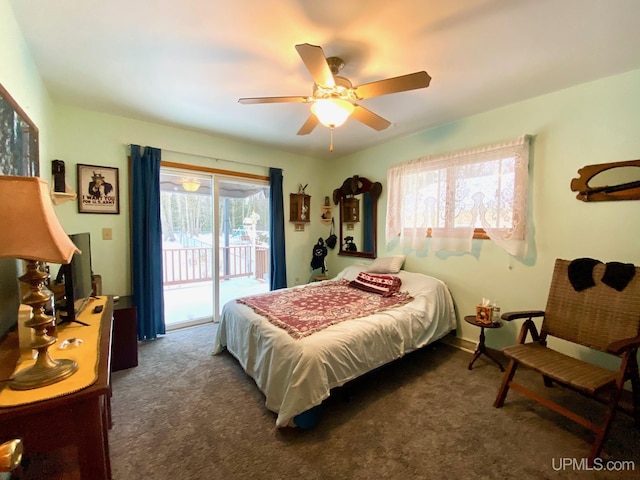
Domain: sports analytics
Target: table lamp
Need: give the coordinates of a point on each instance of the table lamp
(31, 232)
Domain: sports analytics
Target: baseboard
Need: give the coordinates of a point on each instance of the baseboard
(459, 343)
(470, 347)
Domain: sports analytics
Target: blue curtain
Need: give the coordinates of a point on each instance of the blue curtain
(146, 238)
(278, 270)
(367, 224)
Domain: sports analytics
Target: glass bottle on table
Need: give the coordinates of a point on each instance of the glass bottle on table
(495, 313)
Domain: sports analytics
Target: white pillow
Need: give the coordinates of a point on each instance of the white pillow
(391, 264)
(351, 272)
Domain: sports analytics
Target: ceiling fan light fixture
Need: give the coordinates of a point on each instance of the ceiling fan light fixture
(334, 97)
(332, 112)
(190, 184)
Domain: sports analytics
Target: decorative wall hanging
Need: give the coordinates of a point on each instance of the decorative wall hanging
(98, 189)
(18, 139)
(299, 208)
(608, 181)
(326, 212)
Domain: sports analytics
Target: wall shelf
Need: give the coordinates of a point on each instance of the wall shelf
(62, 197)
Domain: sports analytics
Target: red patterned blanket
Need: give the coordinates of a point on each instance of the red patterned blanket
(303, 311)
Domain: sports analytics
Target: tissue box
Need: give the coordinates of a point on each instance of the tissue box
(483, 314)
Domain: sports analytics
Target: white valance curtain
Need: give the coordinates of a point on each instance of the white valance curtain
(453, 194)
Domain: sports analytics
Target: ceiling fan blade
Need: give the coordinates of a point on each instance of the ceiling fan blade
(411, 81)
(309, 125)
(247, 101)
(315, 61)
(369, 118)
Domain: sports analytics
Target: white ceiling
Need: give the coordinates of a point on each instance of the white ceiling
(185, 63)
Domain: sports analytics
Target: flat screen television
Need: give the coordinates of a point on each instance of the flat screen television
(9, 295)
(76, 276)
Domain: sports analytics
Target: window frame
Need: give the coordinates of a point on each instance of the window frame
(402, 219)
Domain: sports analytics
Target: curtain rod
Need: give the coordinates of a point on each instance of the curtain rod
(216, 171)
(207, 157)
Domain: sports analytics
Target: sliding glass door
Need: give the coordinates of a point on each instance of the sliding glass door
(186, 211)
(215, 243)
(244, 239)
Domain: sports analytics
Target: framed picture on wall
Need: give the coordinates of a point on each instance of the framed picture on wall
(18, 139)
(98, 189)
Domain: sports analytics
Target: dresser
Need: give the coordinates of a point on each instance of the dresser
(81, 419)
(124, 346)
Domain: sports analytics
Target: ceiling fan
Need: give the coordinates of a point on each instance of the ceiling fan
(334, 98)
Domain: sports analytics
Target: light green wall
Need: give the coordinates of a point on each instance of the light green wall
(20, 77)
(80, 136)
(592, 123)
(92, 138)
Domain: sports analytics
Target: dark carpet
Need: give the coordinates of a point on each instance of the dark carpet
(185, 414)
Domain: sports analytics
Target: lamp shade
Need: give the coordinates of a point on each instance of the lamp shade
(332, 112)
(30, 229)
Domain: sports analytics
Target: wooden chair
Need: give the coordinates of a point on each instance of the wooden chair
(599, 317)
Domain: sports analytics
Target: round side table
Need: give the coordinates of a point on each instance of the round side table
(481, 349)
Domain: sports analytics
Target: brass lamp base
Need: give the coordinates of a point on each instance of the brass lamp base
(46, 370)
(37, 376)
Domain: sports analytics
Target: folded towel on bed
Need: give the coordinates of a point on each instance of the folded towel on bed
(385, 285)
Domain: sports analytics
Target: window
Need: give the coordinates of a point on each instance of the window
(477, 193)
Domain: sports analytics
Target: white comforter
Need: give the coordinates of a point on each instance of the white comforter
(296, 375)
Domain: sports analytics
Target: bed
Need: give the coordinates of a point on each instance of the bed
(297, 374)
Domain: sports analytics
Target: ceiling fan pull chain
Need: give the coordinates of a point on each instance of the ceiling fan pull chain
(331, 144)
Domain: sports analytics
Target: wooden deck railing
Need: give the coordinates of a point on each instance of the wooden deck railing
(191, 265)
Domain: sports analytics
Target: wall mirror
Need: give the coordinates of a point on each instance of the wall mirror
(18, 139)
(357, 199)
(608, 181)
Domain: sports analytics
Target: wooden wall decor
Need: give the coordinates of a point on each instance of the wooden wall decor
(608, 181)
(299, 208)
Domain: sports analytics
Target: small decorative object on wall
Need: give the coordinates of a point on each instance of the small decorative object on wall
(60, 191)
(300, 208)
(608, 181)
(326, 212)
(98, 189)
(58, 171)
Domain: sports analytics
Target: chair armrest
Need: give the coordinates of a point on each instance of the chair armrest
(620, 346)
(528, 326)
(508, 316)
